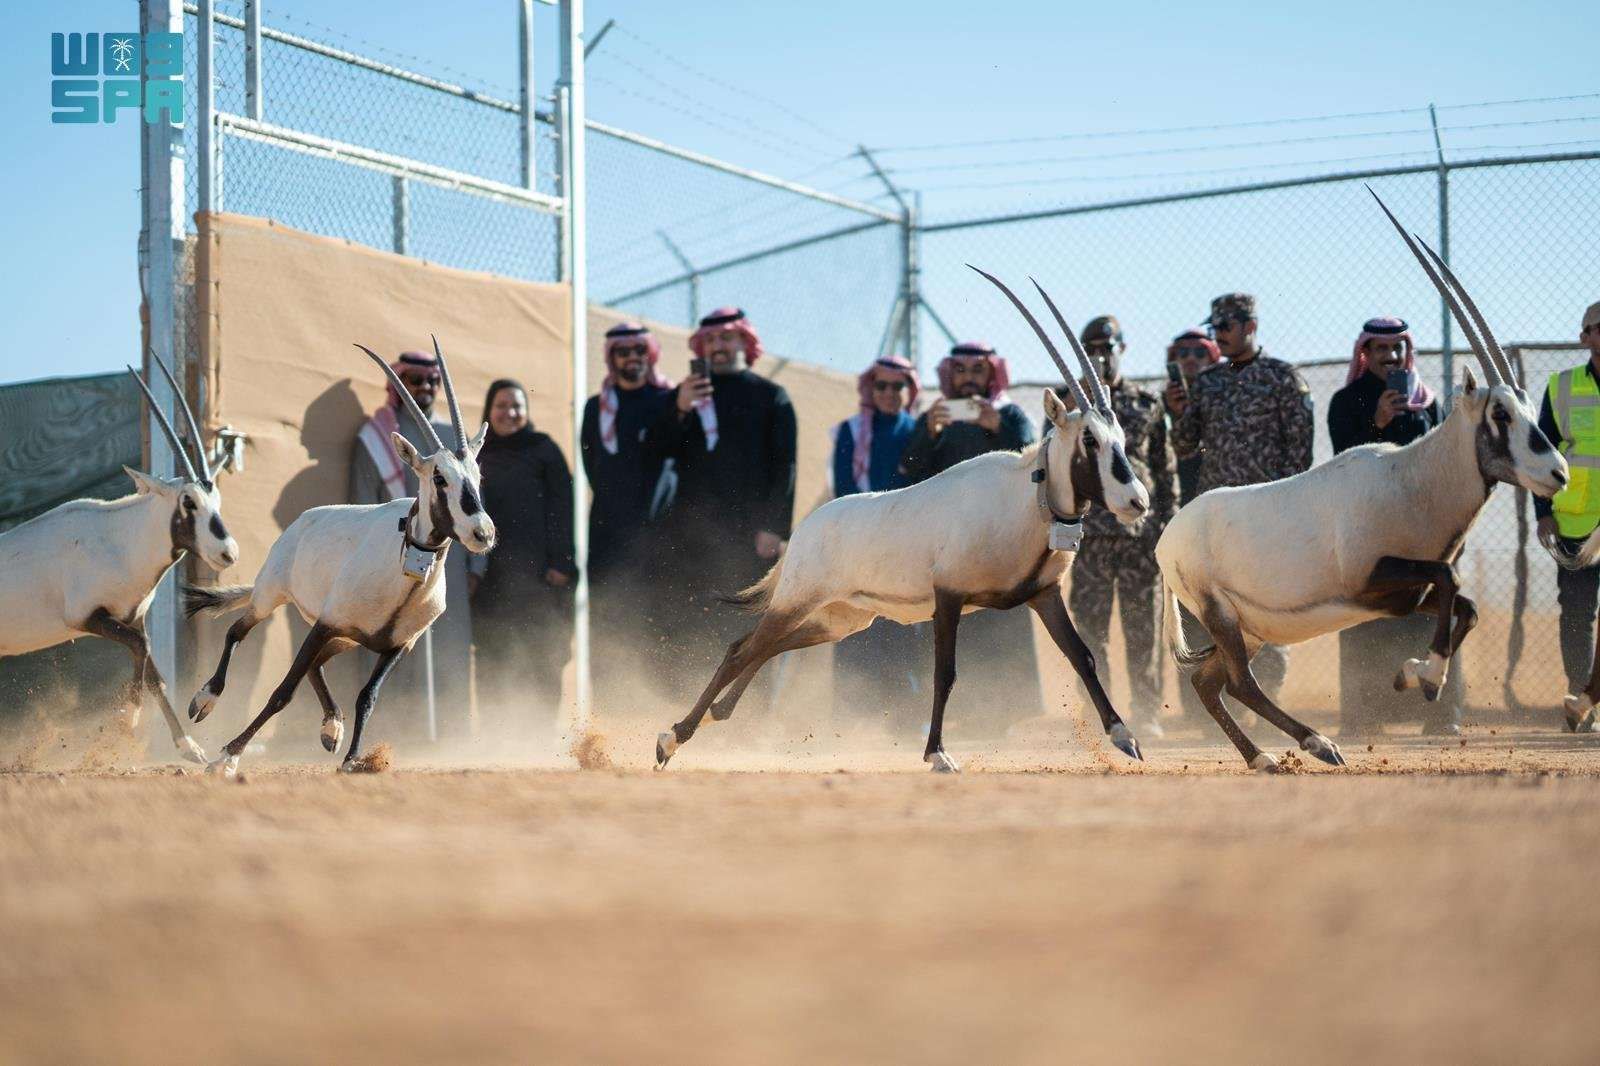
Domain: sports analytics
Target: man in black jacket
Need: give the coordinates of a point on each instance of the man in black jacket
(731, 436)
(623, 473)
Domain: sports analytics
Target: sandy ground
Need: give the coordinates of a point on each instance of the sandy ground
(1434, 902)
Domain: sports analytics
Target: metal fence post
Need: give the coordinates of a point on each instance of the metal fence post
(563, 249)
(161, 235)
(913, 283)
(400, 212)
(1446, 353)
(252, 59)
(530, 168)
(694, 277)
(902, 320)
(575, 192)
(205, 119)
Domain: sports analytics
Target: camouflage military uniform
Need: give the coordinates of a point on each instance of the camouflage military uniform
(1115, 560)
(1249, 424)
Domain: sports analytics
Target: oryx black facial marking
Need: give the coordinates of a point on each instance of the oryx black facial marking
(1119, 466)
(1085, 475)
(218, 530)
(1538, 443)
(439, 513)
(182, 526)
(469, 501)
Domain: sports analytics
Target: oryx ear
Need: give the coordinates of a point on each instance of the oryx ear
(1054, 410)
(148, 484)
(408, 454)
(1469, 384)
(476, 443)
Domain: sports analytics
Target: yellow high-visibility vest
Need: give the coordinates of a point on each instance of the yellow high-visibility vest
(1575, 401)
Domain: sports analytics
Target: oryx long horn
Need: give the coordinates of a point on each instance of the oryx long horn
(450, 397)
(1044, 338)
(194, 427)
(155, 411)
(406, 398)
(1096, 386)
(1472, 309)
(1489, 368)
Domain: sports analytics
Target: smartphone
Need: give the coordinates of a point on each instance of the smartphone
(1400, 381)
(965, 409)
(1175, 376)
(698, 368)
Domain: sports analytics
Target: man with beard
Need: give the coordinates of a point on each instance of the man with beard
(1250, 420)
(731, 436)
(1113, 561)
(999, 673)
(622, 474)
(377, 476)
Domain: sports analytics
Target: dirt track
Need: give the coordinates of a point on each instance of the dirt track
(1390, 912)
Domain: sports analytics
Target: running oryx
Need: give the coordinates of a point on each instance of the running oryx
(995, 531)
(92, 566)
(1375, 532)
(368, 575)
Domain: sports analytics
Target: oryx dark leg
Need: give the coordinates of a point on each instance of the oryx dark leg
(755, 647)
(946, 619)
(146, 678)
(1047, 604)
(1243, 686)
(1396, 576)
(367, 700)
(1208, 680)
(206, 698)
(310, 648)
(807, 636)
(332, 719)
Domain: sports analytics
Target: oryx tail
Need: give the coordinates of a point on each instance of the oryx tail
(216, 599)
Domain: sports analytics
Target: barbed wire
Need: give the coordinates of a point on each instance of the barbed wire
(1209, 171)
(1233, 146)
(1219, 126)
(742, 92)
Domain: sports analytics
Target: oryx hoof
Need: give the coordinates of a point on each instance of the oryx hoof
(190, 750)
(720, 711)
(201, 705)
(1123, 740)
(1323, 748)
(1580, 714)
(940, 763)
(666, 745)
(224, 765)
(1264, 763)
(332, 733)
(128, 717)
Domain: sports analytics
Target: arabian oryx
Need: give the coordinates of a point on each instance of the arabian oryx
(92, 566)
(368, 575)
(995, 531)
(1373, 533)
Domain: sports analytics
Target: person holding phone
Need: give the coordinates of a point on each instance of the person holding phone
(731, 436)
(972, 416)
(1385, 401)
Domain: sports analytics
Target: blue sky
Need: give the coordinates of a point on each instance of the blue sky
(818, 78)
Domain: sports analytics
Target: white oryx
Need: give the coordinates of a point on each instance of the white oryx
(1373, 533)
(368, 575)
(995, 531)
(92, 566)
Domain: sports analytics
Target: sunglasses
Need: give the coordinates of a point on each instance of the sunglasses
(421, 379)
(1191, 353)
(624, 351)
(1099, 347)
(1220, 325)
(888, 386)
